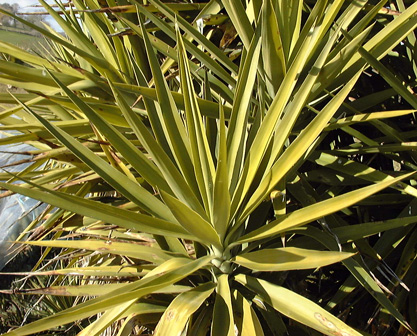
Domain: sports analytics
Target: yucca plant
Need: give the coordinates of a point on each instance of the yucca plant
(197, 155)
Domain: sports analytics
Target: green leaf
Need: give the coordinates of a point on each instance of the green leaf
(177, 314)
(207, 108)
(317, 210)
(192, 221)
(373, 288)
(391, 79)
(97, 327)
(192, 32)
(111, 271)
(237, 14)
(237, 128)
(170, 119)
(125, 293)
(357, 231)
(245, 317)
(130, 189)
(272, 49)
(98, 35)
(359, 170)
(223, 321)
(33, 75)
(33, 59)
(137, 251)
(296, 150)
(134, 156)
(83, 46)
(205, 58)
(87, 290)
(361, 275)
(200, 150)
(221, 195)
(168, 169)
(100, 211)
(382, 42)
(266, 130)
(341, 122)
(288, 258)
(297, 307)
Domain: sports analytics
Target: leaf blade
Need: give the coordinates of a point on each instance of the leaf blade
(288, 258)
(297, 307)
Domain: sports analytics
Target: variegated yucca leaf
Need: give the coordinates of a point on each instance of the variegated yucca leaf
(208, 166)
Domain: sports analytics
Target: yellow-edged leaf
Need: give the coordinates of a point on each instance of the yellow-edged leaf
(175, 317)
(192, 221)
(288, 258)
(223, 321)
(297, 307)
(317, 210)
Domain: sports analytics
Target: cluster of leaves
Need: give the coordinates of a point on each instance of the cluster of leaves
(202, 160)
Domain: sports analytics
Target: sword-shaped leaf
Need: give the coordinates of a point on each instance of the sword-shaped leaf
(223, 320)
(382, 42)
(94, 271)
(288, 258)
(207, 108)
(130, 189)
(317, 210)
(192, 221)
(169, 117)
(266, 130)
(272, 49)
(200, 150)
(296, 150)
(237, 128)
(87, 290)
(100, 211)
(365, 117)
(99, 36)
(221, 195)
(297, 307)
(131, 153)
(107, 319)
(237, 14)
(170, 172)
(125, 293)
(363, 230)
(177, 314)
(245, 317)
(359, 170)
(137, 251)
(191, 31)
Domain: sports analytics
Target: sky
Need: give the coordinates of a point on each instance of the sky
(22, 3)
(26, 3)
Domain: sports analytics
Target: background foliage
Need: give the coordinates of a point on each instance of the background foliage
(219, 167)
